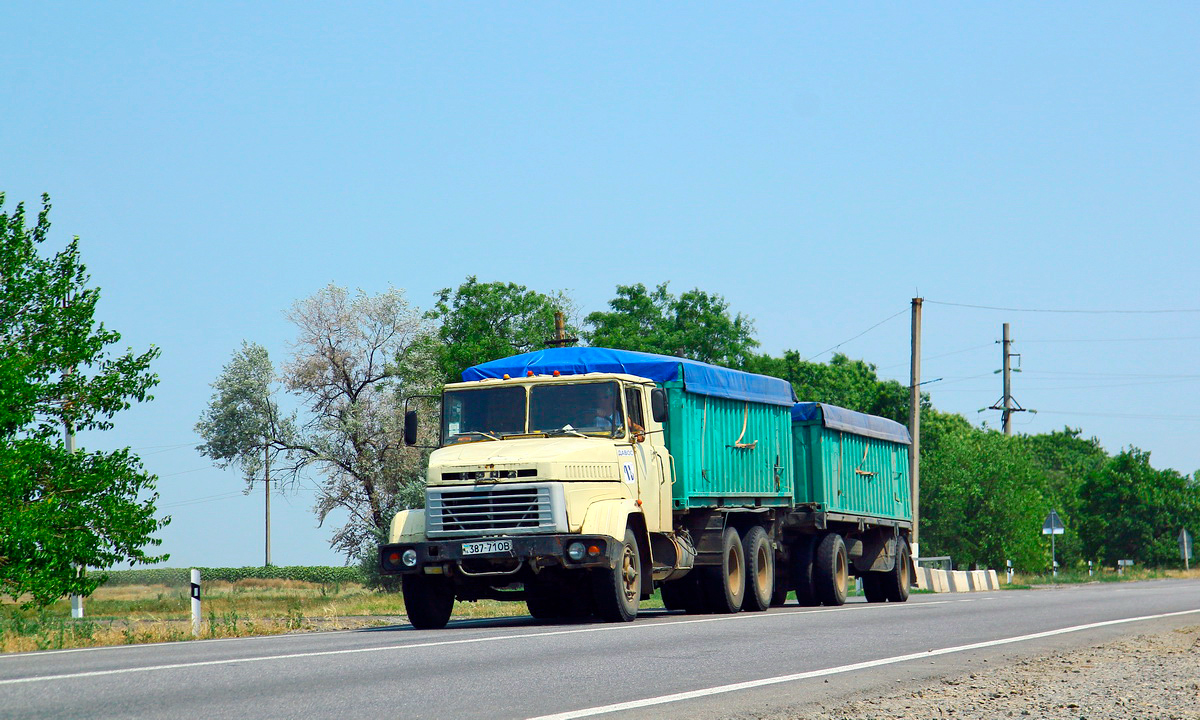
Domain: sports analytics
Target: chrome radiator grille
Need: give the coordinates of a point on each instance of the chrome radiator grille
(502, 509)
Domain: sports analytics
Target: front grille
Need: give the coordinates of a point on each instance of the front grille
(496, 510)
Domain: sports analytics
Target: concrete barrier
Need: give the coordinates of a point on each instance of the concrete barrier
(940, 581)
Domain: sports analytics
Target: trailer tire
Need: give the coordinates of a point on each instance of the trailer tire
(760, 570)
(895, 583)
(618, 591)
(783, 584)
(724, 585)
(801, 563)
(428, 600)
(831, 570)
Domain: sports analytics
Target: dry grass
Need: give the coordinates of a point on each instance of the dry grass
(132, 614)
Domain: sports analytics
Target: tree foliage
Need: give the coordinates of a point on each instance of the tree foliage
(62, 510)
(349, 429)
(695, 325)
(242, 418)
(980, 500)
(479, 322)
(1131, 510)
(847, 383)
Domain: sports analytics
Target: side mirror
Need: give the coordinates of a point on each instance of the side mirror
(410, 427)
(658, 405)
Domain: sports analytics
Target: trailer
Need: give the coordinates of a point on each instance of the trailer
(578, 480)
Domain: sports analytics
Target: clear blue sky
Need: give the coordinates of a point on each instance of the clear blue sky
(817, 165)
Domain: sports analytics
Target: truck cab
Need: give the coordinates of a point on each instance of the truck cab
(547, 488)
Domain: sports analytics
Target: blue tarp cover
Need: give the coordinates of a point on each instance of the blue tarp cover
(851, 421)
(698, 377)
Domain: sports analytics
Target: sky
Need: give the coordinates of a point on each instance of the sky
(818, 165)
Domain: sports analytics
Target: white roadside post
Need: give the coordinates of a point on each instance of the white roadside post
(1089, 568)
(77, 606)
(1122, 564)
(195, 602)
(1185, 548)
(1008, 570)
(1053, 526)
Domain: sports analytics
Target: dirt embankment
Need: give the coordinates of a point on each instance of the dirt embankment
(1143, 677)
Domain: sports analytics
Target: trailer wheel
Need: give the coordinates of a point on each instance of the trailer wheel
(895, 583)
(619, 590)
(802, 570)
(760, 570)
(724, 585)
(428, 600)
(830, 570)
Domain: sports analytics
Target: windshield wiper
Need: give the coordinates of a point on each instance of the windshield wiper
(565, 430)
(489, 436)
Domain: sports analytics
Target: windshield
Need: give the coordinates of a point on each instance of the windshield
(479, 414)
(588, 408)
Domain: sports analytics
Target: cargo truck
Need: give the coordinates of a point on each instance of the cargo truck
(578, 480)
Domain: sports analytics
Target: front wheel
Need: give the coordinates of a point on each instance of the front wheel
(428, 600)
(619, 590)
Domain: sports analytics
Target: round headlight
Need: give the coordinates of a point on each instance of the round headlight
(576, 551)
(409, 557)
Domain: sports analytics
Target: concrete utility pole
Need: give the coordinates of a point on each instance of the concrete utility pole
(1006, 404)
(914, 423)
(560, 338)
(267, 485)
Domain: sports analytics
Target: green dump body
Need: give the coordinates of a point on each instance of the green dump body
(728, 453)
(849, 462)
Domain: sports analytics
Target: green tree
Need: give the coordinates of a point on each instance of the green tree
(348, 432)
(1066, 458)
(241, 424)
(479, 322)
(851, 384)
(695, 325)
(980, 501)
(1131, 510)
(62, 510)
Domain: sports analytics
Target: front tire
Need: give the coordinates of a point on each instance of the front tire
(619, 590)
(428, 600)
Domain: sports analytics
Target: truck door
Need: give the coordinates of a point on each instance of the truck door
(650, 461)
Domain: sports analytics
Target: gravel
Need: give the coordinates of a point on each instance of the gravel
(1144, 676)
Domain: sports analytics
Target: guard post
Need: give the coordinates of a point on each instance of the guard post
(195, 602)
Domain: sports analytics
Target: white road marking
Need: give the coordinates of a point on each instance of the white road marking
(693, 694)
(468, 641)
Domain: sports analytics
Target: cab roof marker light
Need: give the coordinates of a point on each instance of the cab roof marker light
(506, 377)
(557, 373)
(528, 373)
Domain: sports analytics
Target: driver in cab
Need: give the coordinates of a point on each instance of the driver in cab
(604, 415)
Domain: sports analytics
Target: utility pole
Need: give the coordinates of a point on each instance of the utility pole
(1006, 404)
(914, 424)
(560, 338)
(267, 485)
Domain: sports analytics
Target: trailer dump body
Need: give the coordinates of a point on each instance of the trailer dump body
(728, 431)
(850, 462)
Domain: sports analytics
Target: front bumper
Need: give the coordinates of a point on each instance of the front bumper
(535, 550)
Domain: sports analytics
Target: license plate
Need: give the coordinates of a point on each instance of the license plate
(487, 547)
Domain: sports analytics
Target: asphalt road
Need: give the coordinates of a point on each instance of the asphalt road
(661, 665)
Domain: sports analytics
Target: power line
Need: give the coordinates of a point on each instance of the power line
(1107, 340)
(864, 332)
(1077, 312)
(1133, 416)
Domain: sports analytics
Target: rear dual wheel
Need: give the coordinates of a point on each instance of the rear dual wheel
(831, 570)
(760, 569)
(890, 585)
(724, 586)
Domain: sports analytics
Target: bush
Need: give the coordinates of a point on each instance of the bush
(322, 574)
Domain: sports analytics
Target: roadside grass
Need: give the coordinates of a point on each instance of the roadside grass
(134, 614)
(1076, 576)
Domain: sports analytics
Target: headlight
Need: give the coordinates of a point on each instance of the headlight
(576, 551)
(409, 557)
